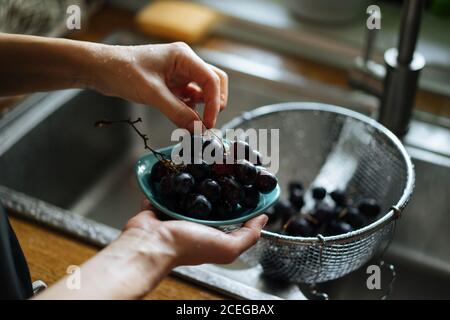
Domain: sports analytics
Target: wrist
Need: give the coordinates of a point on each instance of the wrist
(109, 67)
(150, 246)
(73, 61)
(92, 61)
(146, 256)
(128, 268)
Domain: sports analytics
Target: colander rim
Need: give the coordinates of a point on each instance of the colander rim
(395, 210)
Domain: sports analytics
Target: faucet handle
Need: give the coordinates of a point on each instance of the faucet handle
(367, 74)
(371, 35)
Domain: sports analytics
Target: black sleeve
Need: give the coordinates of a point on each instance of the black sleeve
(15, 276)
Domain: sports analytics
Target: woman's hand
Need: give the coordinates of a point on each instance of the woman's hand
(170, 77)
(192, 243)
(147, 250)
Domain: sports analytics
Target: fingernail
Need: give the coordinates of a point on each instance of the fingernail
(266, 219)
(222, 100)
(197, 122)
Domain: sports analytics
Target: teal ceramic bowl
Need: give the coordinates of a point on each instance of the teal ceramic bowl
(143, 169)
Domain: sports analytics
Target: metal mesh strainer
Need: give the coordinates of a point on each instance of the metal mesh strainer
(338, 149)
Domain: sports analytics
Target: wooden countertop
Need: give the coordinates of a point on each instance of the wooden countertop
(49, 253)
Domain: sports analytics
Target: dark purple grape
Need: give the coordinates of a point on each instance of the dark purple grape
(183, 183)
(222, 169)
(210, 189)
(251, 197)
(245, 172)
(170, 201)
(369, 207)
(296, 198)
(216, 146)
(231, 190)
(223, 210)
(241, 150)
(223, 185)
(338, 212)
(335, 228)
(339, 197)
(284, 210)
(319, 193)
(199, 171)
(192, 140)
(300, 227)
(295, 185)
(159, 170)
(271, 215)
(323, 212)
(166, 185)
(177, 202)
(265, 181)
(255, 158)
(355, 218)
(197, 206)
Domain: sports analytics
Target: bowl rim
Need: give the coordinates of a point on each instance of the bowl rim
(392, 214)
(214, 223)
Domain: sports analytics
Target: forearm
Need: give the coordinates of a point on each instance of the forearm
(29, 64)
(127, 269)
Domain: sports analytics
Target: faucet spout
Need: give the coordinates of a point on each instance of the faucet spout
(403, 67)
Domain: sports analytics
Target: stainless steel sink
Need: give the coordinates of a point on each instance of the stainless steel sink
(419, 250)
(59, 169)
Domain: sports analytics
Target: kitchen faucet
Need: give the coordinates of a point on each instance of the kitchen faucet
(401, 73)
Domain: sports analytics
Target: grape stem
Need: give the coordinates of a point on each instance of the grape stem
(207, 129)
(132, 123)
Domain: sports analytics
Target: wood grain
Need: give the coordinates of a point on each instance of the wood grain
(49, 254)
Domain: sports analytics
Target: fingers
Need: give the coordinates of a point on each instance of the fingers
(190, 80)
(198, 244)
(176, 110)
(223, 86)
(249, 229)
(208, 78)
(146, 205)
(143, 220)
(209, 81)
(193, 92)
(249, 234)
(148, 214)
(257, 223)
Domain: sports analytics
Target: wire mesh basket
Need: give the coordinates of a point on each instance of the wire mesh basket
(339, 149)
